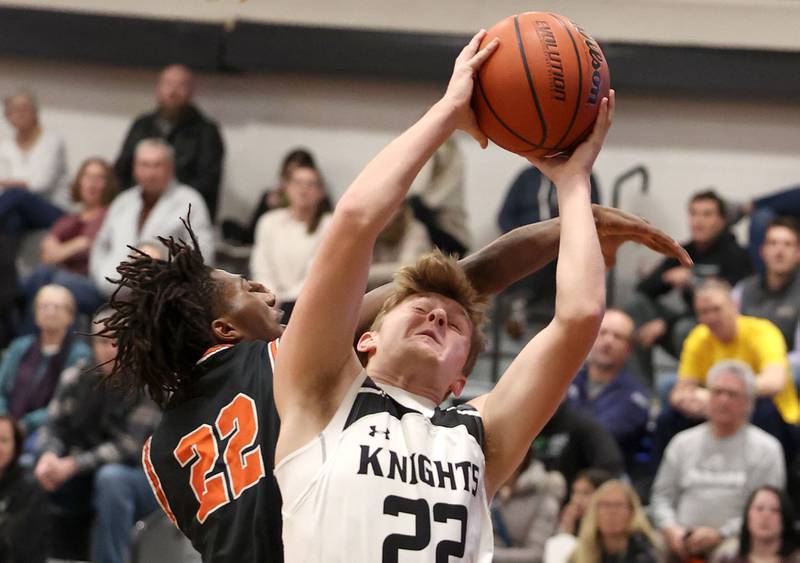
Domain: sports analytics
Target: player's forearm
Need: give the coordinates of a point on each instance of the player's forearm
(379, 190)
(580, 276)
(513, 256)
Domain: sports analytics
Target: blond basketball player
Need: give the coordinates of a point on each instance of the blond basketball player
(369, 467)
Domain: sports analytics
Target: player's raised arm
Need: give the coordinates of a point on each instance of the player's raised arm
(534, 384)
(316, 363)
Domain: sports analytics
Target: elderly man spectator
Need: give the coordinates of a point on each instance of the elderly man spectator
(152, 208)
(775, 293)
(724, 334)
(32, 364)
(90, 459)
(198, 145)
(33, 170)
(709, 471)
(604, 390)
(715, 253)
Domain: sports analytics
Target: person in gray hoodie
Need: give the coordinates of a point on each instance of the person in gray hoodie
(525, 512)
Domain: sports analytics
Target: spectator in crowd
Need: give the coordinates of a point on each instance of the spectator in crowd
(30, 368)
(270, 199)
(715, 253)
(149, 210)
(90, 457)
(24, 525)
(8, 289)
(196, 139)
(762, 212)
(774, 294)
(65, 250)
(525, 512)
(572, 441)
(768, 530)
(287, 238)
(530, 199)
(708, 471)
(604, 390)
(402, 242)
(724, 334)
(583, 487)
(615, 529)
(32, 170)
(437, 199)
(559, 547)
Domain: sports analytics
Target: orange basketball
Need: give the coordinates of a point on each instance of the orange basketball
(540, 92)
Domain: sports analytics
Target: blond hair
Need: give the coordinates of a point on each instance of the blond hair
(438, 273)
(589, 548)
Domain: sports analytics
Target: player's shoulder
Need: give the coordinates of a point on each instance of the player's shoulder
(464, 415)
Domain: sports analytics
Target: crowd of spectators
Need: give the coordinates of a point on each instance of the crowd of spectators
(635, 466)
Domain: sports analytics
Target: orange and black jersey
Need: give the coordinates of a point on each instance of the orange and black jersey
(210, 460)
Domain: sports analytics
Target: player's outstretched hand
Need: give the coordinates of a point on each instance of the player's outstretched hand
(615, 227)
(580, 162)
(459, 90)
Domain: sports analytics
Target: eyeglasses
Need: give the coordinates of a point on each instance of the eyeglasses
(56, 306)
(717, 391)
(609, 505)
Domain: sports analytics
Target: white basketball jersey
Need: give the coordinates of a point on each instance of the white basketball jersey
(392, 479)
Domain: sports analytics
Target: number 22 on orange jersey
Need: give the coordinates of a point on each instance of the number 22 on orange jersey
(237, 421)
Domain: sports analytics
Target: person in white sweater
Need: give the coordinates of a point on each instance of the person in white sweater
(401, 243)
(33, 181)
(151, 209)
(286, 239)
(709, 471)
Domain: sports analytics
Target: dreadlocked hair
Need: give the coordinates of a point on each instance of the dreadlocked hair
(161, 318)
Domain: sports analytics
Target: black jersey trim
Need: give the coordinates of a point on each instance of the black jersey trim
(371, 399)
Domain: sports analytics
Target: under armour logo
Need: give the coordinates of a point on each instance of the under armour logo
(374, 430)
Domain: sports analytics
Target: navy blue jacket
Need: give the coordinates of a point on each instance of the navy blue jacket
(622, 407)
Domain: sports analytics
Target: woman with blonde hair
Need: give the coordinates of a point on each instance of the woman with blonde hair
(615, 529)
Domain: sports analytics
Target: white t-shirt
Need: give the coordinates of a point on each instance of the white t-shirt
(392, 478)
(43, 167)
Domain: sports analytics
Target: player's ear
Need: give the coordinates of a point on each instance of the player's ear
(224, 331)
(457, 386)
(367, 343)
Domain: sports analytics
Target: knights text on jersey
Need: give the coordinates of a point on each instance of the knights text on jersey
(391, 479)
(210, 460)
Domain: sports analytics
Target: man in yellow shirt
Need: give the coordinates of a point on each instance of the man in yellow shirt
(724, 334)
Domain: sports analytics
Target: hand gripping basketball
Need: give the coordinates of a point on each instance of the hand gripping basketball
(580, 162)
(459, 90)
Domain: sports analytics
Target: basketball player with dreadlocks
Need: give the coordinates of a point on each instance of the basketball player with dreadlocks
(369, 467)
(201, 341)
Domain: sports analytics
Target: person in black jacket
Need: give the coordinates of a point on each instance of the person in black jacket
(715, 253)
(572, 441)
(198, 145)
(24, 525)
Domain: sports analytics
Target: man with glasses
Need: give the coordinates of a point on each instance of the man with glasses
(725, 334)
(709, 471)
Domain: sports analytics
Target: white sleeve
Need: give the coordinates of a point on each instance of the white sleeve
(47, 166)
(202, 227)
(259, 256)
(101, 253)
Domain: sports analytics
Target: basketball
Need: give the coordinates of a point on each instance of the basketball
(539, 93)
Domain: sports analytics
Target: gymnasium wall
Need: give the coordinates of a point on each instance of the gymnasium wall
(728, 23)
(742, 147)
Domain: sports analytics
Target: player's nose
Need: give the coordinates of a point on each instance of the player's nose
(437, 316)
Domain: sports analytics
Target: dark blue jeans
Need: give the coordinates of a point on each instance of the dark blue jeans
(22, 211)
(765, 209)
(122, 496)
